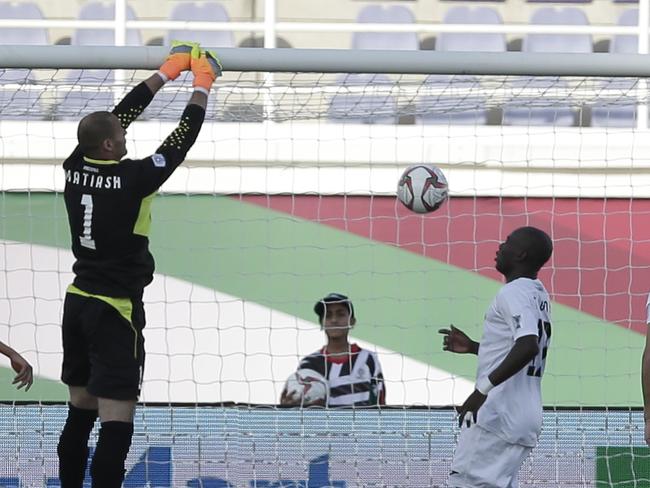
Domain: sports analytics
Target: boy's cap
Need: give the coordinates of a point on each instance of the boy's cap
(319, 308)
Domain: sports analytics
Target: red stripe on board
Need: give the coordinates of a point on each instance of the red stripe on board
(602, 247)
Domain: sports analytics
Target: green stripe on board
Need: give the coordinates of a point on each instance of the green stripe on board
(401, 299)
(42, 389)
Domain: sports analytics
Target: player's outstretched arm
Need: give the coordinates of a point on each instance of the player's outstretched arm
(24, 375)
(206, 68)
(455, 340)
(171, 153)
(523, 351)
(645, 384)
(134, 103)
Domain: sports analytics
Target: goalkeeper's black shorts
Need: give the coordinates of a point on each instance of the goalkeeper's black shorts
(103, 346)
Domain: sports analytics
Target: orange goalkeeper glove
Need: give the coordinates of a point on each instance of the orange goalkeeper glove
(179, 58)
(206, 69)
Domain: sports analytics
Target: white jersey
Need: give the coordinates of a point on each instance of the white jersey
(513, 409)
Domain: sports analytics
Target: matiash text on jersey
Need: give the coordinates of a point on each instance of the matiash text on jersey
(93, 181)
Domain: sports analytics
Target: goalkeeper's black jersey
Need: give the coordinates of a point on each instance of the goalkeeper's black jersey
(108, 204)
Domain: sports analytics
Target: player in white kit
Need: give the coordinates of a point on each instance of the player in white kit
(501, 420)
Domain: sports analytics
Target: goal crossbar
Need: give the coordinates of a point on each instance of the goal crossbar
(338, 61)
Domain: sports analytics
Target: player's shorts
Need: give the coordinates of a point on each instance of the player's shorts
(103, 346)
(484, 460)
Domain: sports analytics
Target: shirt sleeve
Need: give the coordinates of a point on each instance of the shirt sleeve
(315, 362)
(381, 389)
(158, 167)
(519, 311)
(378, 380)
(133, 104)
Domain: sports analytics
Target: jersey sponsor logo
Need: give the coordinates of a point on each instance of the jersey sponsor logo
(159, 160)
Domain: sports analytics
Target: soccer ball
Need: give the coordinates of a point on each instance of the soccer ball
(306, 386)
(422, 188)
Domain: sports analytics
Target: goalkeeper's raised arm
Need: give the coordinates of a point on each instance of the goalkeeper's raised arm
(206, 68)
(178, 60)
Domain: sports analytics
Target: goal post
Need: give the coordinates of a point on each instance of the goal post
(337, 61)
(288, 195)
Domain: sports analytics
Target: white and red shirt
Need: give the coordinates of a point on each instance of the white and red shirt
(354, 378)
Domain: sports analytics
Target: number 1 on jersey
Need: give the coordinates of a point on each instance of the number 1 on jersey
(86, 239)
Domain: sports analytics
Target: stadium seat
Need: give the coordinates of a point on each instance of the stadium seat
(258, 41)
(464, 108)
(22, 35)
(491, 1)
(533, 104)
(358, 107)
(207, 12)
(621, 112)
(524, 108)
(94, 95)
(558, 43)
(396, 14)
(450, 41)
(626, 44)
(22, 103)
(170, 102)
(103, 37)
(91, 91)
(559, 1)
(366, 108)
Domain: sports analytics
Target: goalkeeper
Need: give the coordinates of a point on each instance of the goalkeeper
(108, 203)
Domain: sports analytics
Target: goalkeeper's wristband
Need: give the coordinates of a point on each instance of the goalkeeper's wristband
(171, 69)
(203, 90)
(484, 385)
(204, 81)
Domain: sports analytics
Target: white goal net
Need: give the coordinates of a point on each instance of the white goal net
(289, 194)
